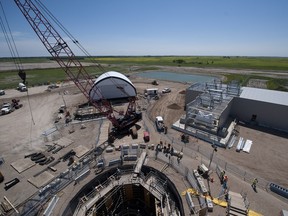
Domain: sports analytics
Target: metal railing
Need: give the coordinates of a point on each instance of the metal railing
(184, 171)
(192, 150)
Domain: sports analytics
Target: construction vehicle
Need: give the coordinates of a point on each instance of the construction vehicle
(53, 86)
(151, 92)
(63, 55)
(16, 103)
(155, 82)
(22, 87)
(10, 107)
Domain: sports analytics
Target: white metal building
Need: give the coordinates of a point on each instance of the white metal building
(211, 109)
(262, 107)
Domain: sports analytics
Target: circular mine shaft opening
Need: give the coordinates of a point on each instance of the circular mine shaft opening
(118, 191)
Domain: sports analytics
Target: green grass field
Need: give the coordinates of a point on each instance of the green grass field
(236, 62)
(258, 63)
(37, 77)
(10, 79)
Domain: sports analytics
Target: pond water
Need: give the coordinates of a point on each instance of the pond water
(178, 77)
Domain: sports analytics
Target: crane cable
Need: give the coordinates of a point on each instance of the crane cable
(13, 50)
(73, 39)
(76, 42)
(10, 40)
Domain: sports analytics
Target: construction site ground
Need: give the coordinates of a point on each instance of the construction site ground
(21, 132)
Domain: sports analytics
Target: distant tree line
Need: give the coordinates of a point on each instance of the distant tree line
(181, 61)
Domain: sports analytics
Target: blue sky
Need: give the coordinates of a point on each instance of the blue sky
(161, 27)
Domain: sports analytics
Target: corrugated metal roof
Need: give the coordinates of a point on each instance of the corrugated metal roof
(111, 74)
(269, 96)
(112, 85)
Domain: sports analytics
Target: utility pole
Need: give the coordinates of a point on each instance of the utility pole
(211, 158)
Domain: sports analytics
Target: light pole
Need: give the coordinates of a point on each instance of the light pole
(211, 158)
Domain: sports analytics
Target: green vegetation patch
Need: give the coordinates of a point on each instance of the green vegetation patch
(272, 83)
(35, 77)
(234, 62)
(229, 62)
(130, 64)
(278, 84)
(38, 77)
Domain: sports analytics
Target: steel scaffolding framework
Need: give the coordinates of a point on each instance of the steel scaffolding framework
(206, 110)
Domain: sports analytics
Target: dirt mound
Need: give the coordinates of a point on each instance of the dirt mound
(182, 92)
(174, 106)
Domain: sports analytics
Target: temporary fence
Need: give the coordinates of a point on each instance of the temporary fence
(192, 149)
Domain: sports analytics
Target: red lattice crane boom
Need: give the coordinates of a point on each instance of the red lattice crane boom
(64, 56)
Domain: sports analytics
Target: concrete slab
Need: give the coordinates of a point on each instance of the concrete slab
(41, 179)
(22, 164)
(80, 150)
(64, 142)
(103, 136)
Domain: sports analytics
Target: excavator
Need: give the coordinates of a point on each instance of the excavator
(64, 56)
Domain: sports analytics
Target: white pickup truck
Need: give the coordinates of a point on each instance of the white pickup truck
(6, 108)
(166, 90)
